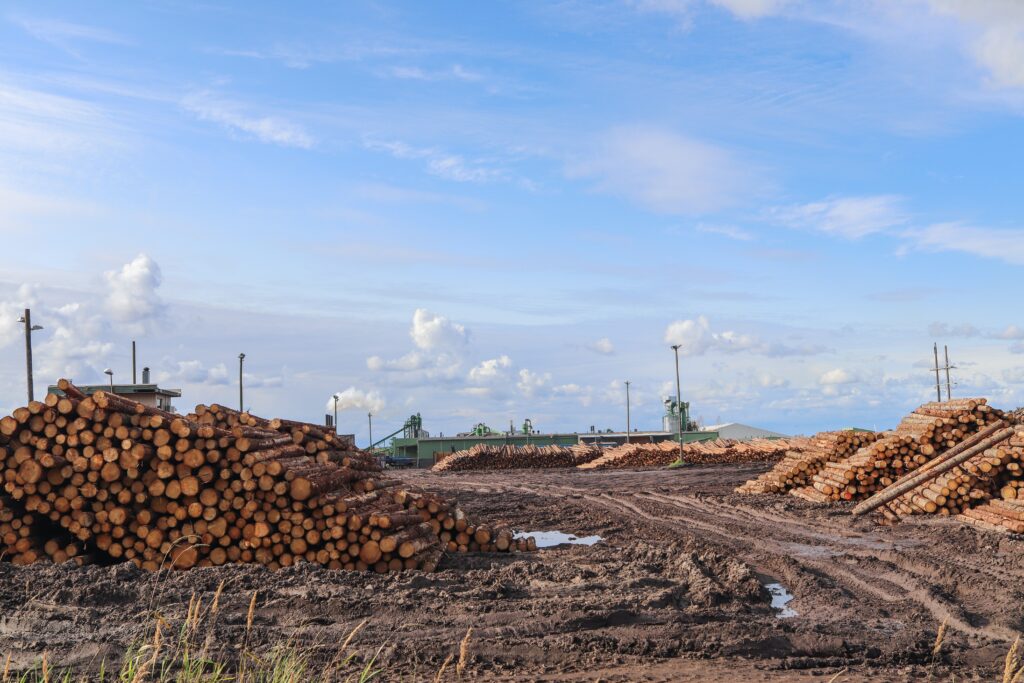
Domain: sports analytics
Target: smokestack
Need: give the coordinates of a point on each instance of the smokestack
(145, 375)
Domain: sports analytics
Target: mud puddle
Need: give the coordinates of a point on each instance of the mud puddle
(551, 539)
(781, 597)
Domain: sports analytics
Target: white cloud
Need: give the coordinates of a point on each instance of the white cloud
(998, 41)
(456, 72)
(270, 129)
(62, 33)
(1011, 332)
(357, 399)
(664, 171)
(696, 338)
(132, 292)
(752, 9)
(430, 332)
(938, 329)
(490, 370)
(729, 231)
(836, 376)
(603, 346)
(1003, 245)
(531, 382)
(439, 162)
(848, 217)
(194, 372)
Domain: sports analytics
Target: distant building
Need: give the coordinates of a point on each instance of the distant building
(147, 394)
(741, 432)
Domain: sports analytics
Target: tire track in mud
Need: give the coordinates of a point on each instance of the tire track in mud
(767, 535)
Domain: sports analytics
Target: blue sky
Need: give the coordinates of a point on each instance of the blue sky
(491, 211)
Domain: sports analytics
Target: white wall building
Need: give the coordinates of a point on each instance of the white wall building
(742, 432)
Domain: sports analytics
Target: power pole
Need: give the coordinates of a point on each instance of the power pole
(369, 416)
(135, 378)
(938, 387)
(949, 392)
(679, 402)
(628, 430)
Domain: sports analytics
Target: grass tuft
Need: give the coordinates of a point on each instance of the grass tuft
(463, 653)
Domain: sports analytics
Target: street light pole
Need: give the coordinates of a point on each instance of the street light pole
(679, 402)
(628, 430)
(335, 413)
(369, 416)
(29, 329)
(110, 373)
(241, 394)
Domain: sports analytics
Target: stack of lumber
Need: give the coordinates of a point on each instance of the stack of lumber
(132, 482)
(799, 465)
(509, 457)
(929, 430)
(697, 452)
(997, 515)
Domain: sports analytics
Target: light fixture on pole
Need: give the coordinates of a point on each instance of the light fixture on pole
(679, 402)
(110, 373)
(628, 430)
(241, 393)
(336, 397)
(29, 329)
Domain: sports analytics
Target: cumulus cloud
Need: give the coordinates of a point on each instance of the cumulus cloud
(531, 382)
(847, 217)
(696, 338)
(663, 170)
(439, 346)
(836, 376)
(132, 292)
(490, 370)
(998, 41)
(357, 399)
(195, 372)
(603, 346)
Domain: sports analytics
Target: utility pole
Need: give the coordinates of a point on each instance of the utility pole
(949, 392)
(241, 394)
(29, 329)
(938, 387)
(336, 413)
(679, 402)
(369, 416)
(135, 378)
(627, 412)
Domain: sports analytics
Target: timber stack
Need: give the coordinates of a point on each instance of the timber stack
(124, 481)
(919, 437)
(509, 457)
(698, 453)
(799, 465)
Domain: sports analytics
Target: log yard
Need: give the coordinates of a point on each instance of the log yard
(584, 341)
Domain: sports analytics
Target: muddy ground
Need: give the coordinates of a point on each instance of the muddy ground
(674, 592)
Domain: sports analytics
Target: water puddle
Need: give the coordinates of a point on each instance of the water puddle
(780, 600)
(550, 539)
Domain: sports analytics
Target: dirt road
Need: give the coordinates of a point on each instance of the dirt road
(674, 592)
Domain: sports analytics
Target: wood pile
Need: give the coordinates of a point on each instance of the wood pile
(1006, 516)
(697, 452)
(919, 437)
(126, 481)
(509, 457)
(798, 466)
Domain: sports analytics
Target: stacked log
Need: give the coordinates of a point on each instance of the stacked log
(980, 478)
(132, 482)
(1006, 516)
(925, 433)
(698, 453)
(798, 466)
(509, 457)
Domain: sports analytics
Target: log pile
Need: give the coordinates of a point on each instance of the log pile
(997, 515)
(920, 436)
(697, 452)
(509, 457)
(132, 482)
(799, 465)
